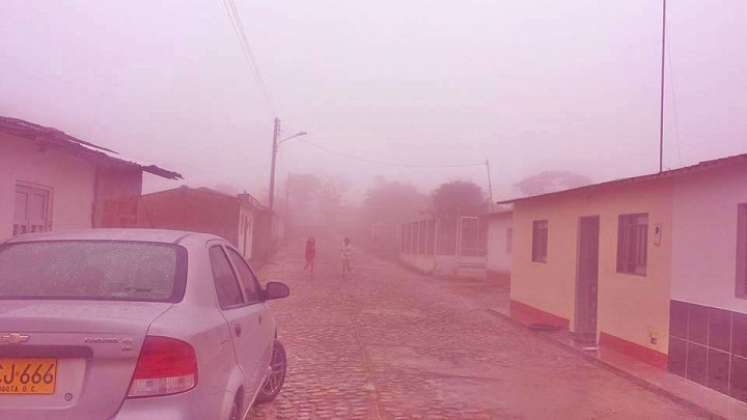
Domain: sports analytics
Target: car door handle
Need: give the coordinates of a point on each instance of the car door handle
(237, 329)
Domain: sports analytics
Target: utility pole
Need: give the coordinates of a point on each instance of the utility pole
(490, 184)
(275, 143)
(275, 132)
(661, 99)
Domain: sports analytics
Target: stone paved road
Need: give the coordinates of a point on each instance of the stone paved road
(392, 344)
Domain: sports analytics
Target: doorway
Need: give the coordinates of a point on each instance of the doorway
(587, 279)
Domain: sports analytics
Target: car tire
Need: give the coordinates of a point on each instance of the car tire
(236, 409)
(274, 383)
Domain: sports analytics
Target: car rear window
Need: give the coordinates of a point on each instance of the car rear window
(96, 270)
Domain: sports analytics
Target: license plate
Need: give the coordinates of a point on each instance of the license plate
(28, 376)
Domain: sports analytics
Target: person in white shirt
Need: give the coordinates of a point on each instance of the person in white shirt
(346, 254)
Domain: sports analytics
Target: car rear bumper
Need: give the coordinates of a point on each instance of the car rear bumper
(185, 406)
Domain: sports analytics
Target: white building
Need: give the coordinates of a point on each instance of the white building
(51, 180)
(499, 243)
(708, 310)
(444, 247)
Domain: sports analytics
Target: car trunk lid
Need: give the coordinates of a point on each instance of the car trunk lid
(95, 345)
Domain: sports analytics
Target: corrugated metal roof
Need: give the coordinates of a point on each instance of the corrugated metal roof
(243, 197)
(704, 165)
(68, 143)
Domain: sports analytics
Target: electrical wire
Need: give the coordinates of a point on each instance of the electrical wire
(238, 27)
(386, 163)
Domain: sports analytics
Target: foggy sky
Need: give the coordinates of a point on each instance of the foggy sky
(532, 86)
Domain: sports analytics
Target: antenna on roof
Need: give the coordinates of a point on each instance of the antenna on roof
(661, 100)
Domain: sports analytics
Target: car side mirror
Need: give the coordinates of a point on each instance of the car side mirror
(276, 290)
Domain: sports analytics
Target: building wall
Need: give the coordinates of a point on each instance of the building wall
(70, 179)
(117, 192)
(263, 244)
(425, 247)
(191, 210)
(705, 237)
(246, 231)
(498, 256)
(422, 263)
(630, 307)
(708, 322)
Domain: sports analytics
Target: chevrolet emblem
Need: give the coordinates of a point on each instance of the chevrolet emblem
(13, 338)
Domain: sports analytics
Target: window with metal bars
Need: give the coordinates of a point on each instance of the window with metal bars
(539, 240)
(32, 210)
(430, 243)
(423, 238)
(632, 244)
(741, 288)
(415, 238)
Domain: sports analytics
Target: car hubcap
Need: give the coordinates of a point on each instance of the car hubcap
(275, 380)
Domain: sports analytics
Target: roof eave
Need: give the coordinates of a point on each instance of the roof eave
(164, 173)
(701, 166)
(86, 150)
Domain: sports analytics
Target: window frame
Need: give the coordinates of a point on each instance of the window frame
(626, 252)
(254, 278)
(741, 263)
(536, 257)
(28, 188)
(235, 278)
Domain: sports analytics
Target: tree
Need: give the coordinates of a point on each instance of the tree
(302, 188)
(550, 181)
(458, 198)
(330, 198)
(301, 199)
(392, 202)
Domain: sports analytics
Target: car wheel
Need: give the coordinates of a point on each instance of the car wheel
(274, 383)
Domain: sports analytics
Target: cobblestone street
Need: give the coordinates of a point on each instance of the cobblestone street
(389, 343)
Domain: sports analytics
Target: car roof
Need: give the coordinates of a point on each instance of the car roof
(122, 234)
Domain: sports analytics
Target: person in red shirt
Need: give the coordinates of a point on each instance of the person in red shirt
(310, 254)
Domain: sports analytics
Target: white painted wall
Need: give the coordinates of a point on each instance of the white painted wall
(245, 243)
(70, 179)
(498, 258)
(704, 237)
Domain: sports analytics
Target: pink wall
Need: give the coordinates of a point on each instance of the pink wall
(191, 210)
(117, 192)
(69, 179)
(704, 237)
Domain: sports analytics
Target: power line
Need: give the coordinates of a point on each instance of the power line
(661, 97)
(238, 27)
(675, 115)
(386, 163)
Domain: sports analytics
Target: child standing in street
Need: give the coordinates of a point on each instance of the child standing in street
(346, 254)
(310, 255)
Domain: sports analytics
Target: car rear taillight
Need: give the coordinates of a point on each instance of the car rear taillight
(166, 366)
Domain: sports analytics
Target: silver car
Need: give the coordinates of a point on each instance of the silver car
(132, 324)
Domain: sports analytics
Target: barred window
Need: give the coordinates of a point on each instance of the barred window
(632, 244)
(742, 251)
(539, 240)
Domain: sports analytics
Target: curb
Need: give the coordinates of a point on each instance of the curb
(699, 409)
